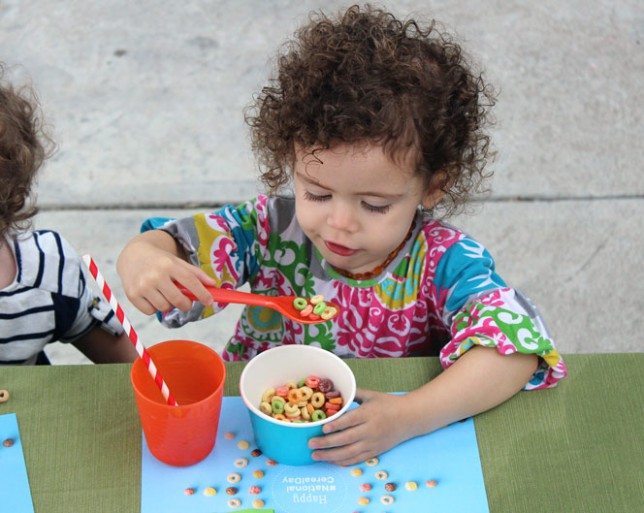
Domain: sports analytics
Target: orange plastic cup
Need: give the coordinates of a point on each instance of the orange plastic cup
(195, 374)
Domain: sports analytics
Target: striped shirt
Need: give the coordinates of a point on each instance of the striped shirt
(48, 300)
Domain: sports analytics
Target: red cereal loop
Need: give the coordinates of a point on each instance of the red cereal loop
(307, 311)
(312, 381)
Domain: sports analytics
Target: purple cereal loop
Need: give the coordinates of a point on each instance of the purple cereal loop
(333, 394)
(326, 385)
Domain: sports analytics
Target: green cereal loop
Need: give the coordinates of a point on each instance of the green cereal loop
(319, 308)
(318, 415)
(301, 383)
(277, 403)
(300, 303)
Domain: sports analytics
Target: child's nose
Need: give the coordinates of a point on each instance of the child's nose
(342, 217)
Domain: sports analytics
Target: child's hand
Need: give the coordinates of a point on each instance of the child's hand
(150, 265)
(376, 426)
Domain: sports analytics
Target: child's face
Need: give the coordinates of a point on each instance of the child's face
(355, 203)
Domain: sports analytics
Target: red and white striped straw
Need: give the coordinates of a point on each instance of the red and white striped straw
(131, 333)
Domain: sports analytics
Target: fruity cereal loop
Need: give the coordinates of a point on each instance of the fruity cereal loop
(309, 400)
(315, 308)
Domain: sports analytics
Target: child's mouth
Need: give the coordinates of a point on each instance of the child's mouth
(340, 250)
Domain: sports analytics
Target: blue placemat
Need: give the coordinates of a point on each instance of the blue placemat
(449, 457)
(15, 494)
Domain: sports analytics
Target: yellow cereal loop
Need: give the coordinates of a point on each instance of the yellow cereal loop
(268, 395)
(381, 474)
(291, 410)
(411, 486)
(355, 472)
(372, 462)
(387, 499)
(266, 408)
(210, 492)
(363, 501)
(243, 445)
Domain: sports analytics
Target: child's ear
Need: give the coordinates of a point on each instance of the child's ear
(435, 192)
(432, 198)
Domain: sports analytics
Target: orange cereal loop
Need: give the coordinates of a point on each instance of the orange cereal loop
(229, 435)
(189, 491)
(336, 400)
(258, 474)
(279, 416)
(270, 462)
(258, 503)
(295, 395)
(372, 462)
(431, 483)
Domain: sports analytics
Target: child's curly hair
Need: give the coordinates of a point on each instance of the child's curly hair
(23, 147)
(368, 77)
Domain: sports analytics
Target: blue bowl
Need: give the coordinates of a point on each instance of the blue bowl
(286, 442)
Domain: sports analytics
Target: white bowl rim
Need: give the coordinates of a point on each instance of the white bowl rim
(299, 425)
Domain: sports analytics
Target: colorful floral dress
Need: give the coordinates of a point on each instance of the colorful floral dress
(439, 296)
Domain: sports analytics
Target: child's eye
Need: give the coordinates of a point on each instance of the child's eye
(316, 197)
(376, 209)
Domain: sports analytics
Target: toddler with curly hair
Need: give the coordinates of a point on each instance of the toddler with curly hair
(377, 123)
(43, 294)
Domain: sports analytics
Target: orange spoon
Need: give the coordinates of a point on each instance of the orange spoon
(282, 304)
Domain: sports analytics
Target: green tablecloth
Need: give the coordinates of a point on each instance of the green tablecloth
(576, 448)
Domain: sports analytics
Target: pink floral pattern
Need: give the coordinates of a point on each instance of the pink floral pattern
(440, 297)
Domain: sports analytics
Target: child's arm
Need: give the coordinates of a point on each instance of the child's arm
(479, 380)
(150, 264)
(103, 347)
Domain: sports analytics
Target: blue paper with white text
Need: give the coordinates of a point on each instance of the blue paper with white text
(440, 472)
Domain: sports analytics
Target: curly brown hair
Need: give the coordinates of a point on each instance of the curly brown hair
(369, 77)
(24, 146)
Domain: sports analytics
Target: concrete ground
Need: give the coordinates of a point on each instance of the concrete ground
(146, 101)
